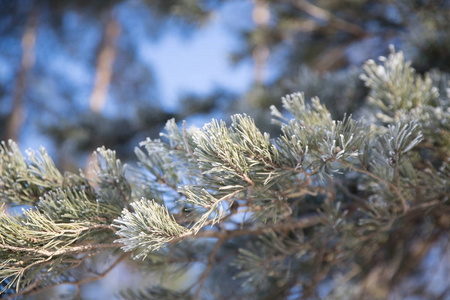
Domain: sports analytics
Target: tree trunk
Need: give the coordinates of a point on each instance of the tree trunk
(261, 52)
(15, 119)
(105, 61)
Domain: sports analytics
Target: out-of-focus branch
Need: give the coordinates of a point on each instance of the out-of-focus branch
(105, 62)
(223, 236)
(304, 222)
(16, 117)
(209, 267)
(325, 15)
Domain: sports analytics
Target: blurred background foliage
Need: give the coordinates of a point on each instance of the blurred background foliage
(74, 75)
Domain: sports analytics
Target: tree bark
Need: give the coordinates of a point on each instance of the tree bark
(105, 63)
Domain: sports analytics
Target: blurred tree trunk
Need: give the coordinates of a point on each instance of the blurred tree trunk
(261, 52)
(104, 70)
(16, 117)
(105, 62)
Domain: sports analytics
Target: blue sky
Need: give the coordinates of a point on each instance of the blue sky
(201, 62)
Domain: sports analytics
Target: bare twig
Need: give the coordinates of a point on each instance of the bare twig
(209, 267)
(123, 196)
(186, 142)
(389, 184)
(304, 222)
(397, 176)
(325, 15)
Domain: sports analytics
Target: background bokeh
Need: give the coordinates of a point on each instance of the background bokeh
(76, 75)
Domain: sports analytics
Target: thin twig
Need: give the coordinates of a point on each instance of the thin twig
(397, 175)
(186, 142)
(123, 196)
(389, 184)
(304, 222)
(162, 180)
(345, 190)
(322, 14)
(205, 274)
(64, 251)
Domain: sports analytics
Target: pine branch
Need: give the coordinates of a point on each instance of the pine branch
(24, 181)
(33, 241)
(323, 195)
(108, 172)
(33, 290)
(149, 227)
(395, 86)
